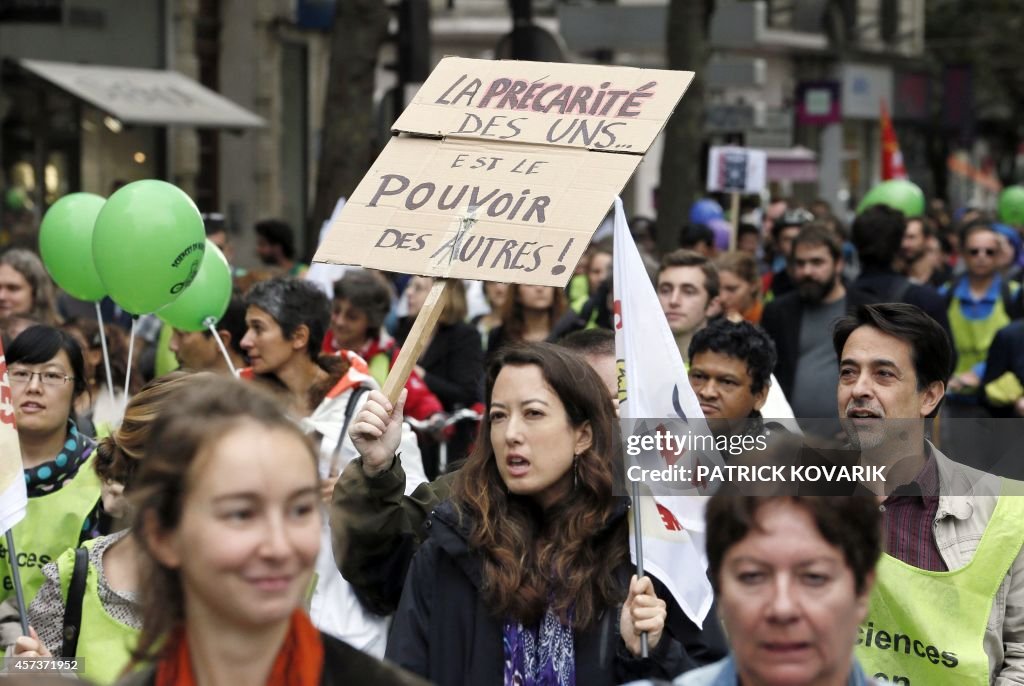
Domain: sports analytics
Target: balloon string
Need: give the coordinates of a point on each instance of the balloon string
(223, 350)
(131, 356)
(106, 355)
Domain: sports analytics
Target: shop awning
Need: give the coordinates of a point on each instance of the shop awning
(146, 97)
(797, 164)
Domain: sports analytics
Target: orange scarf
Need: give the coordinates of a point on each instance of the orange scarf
(298, 663)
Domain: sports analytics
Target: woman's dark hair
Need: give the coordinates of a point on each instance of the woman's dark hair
(117, 350)
(294, 303)
(851, 523)
(741, 340)
(368, 293)
(931, 349)
(41, 343)
(563, 558)
(201, 416)
(513, 314)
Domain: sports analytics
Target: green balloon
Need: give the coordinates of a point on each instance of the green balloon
(1011, 205)
(206, 300)
(898, 194)
(65, 244)
(147, 245)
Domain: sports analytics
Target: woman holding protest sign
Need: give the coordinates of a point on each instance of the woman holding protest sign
(47, 373)
(525, 574)
(87, 607)
(226, 512)
(286, 320)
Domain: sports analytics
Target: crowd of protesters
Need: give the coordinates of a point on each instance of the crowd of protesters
(264, 514)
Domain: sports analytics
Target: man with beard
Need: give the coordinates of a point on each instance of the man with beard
(921, 254)
(801, 321)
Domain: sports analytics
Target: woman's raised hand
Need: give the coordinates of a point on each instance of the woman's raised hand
(377, 431)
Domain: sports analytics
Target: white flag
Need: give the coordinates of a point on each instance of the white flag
(13, 497)
(657, 391)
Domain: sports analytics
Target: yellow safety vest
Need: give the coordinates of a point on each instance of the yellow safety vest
(928, 628)
(53, 523)
(973, 337)
(104, 644)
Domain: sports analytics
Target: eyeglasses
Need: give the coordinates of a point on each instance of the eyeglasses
(974, 252)
(23, 377)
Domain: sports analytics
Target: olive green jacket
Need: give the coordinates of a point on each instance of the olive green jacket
(377, 529)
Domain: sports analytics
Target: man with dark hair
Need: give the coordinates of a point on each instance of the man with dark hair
(877, 234)
(800, 323)
(687, 284)
(784, 230)
(198, 351)
(938, 515)
(748, 239)
(275, 245)
(730, 371)
(597, 346)
(698, 238)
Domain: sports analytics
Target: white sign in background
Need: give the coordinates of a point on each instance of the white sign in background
(736, 170)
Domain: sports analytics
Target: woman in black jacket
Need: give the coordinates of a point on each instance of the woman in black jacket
(525, 575)
(452, 365)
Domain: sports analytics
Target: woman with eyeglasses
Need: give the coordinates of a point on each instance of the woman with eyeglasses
(47, 373)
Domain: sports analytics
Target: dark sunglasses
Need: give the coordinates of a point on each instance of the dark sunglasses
(974, 252)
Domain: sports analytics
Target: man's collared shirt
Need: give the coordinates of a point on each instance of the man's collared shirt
(908, 520)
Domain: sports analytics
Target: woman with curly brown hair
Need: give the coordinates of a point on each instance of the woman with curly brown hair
(525, 575)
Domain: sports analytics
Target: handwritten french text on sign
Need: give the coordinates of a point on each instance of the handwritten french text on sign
(503, 170)
(597, 107)
(736, 170)
(461, 209)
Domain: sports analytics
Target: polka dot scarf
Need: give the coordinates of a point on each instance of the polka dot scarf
(51, 476)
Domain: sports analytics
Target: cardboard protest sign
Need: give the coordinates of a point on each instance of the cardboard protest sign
(579, 105)
(511, 168)
(535, 209)
(736, 170)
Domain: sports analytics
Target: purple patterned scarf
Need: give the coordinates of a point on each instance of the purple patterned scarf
(539, 657)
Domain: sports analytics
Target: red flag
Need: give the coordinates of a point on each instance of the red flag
(892, 158)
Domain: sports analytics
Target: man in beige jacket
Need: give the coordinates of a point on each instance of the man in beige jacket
(935, 617)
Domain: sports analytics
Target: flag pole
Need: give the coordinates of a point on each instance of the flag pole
(734, 210)
(16, 576)
(639, 541)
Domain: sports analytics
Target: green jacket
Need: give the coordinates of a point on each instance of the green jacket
(377, 529)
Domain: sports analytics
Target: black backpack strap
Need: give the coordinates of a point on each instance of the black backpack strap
(1012, 303)
(350, 409)
(73, 606)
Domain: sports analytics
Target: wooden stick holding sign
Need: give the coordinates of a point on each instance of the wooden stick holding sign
(420, 335)
(734, 215)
